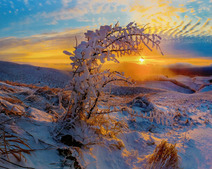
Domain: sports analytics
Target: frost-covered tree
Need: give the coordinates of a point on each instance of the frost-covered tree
(105, 44)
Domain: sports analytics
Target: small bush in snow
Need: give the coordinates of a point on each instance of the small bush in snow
(104, 44)
(12, 146)
(164, 157)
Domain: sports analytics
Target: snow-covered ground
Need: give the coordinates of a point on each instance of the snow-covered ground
(178, 110)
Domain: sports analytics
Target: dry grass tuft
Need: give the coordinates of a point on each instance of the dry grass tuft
(164, 157)
(12, 100)
(12, 145)
(4, 109)
(45, 88)
(7, 89)
(20, 84)
(106, 126)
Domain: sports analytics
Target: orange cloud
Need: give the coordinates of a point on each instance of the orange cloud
(42, 49)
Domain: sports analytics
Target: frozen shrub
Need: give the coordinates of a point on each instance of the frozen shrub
(104, 44)
(89, 104)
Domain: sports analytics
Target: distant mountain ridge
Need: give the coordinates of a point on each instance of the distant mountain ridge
(192, 71)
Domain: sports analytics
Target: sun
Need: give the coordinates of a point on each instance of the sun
(141, 60)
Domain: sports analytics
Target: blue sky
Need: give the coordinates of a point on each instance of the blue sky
(37, 29)
(21, 18)
(27, 17)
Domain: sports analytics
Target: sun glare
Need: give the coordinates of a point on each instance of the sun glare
(141, 60)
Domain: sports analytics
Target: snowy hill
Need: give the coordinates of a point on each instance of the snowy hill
(182, 84)
(33, 75)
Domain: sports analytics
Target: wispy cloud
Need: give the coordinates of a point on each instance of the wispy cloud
(184, 28)
(66, 2)
(26, 2)
(172, 18)
(82, 8)
(65, 14)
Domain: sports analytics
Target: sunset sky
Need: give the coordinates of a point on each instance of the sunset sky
(37, 31)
